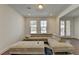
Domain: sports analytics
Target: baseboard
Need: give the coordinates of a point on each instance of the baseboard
(4, 50)
(7, 48)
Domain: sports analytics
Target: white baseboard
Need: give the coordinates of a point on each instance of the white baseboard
(4, 50)
(7, 48)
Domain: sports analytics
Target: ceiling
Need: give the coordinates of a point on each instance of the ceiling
(32, 10)
(74, 13)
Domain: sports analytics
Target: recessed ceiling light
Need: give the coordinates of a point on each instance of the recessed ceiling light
(40, 6)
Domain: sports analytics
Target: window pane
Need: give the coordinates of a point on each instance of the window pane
(43, 30)
(33, 32)
(33, 22)
(62, 28)
(68, 28)
(33, 25)
(33, 28)
(43, 24)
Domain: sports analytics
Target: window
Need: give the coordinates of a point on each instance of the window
(62, 28)
(33, 25)
(40, 27)
(43, 24)
(68, 28)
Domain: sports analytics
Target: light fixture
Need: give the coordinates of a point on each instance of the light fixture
(40, 6)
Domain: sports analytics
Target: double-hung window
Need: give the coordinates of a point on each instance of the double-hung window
(62, 28)
(43, 25)
(65, 27)
(33, 25)
(39, 28)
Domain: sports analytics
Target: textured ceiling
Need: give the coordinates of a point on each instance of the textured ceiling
(33, 11)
